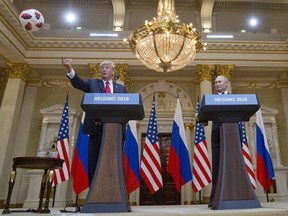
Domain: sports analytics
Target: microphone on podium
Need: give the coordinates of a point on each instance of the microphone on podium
(116, 77)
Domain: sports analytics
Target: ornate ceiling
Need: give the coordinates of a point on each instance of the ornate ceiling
(260, 52)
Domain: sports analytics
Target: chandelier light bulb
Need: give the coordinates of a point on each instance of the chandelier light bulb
(164, 44)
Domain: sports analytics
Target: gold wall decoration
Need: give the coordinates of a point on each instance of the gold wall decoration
(205, 72)
(18, 70)
(224, 70)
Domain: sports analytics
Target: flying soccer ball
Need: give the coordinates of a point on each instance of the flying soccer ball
(31, 19)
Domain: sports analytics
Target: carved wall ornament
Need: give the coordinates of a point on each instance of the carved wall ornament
(224, 70)
(18, 70)
(205, 72)
(165, 97)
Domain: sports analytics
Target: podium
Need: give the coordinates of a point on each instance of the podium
(233, 189)
(107, 192)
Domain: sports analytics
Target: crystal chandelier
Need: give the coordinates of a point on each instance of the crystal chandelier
(164, 44)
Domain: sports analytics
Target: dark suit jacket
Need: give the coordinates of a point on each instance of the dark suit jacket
(93, 85)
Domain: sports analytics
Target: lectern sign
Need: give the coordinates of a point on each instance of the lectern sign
(111, 98)
(228, 108)
(124, 107)
(231, 99)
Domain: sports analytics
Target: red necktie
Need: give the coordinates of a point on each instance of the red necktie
(107, 88)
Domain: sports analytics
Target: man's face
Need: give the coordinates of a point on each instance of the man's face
(221, 84)
(107, 72)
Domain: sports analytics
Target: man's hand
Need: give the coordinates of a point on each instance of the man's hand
(196, 116)
(67, 64)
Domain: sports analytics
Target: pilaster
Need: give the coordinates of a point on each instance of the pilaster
(9, 113)
(186, 192)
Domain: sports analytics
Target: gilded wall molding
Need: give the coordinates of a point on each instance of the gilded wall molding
(165, 97)
(189, 126)
(18, 70)
(48, 83)
(245, 4)
(205, 72)
(259, 84)
(224, 70)
(243, 42)
(235, 84)
(95, 70)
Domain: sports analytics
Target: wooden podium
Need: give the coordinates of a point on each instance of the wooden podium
(107, 192)
(233, 189)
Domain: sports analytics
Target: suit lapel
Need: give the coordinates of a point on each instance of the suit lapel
(115, 87)
(101, 85)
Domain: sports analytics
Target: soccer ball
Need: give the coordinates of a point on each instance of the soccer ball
(31, 19)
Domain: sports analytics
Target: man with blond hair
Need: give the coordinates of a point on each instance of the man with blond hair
(91, 127)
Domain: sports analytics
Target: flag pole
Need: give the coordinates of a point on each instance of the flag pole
(267, 196)
(200, 202)
(76, 205)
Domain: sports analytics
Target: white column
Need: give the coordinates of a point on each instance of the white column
(9, 116)
(205, 73)
(22, 136)
(276, 145)
(187, 188)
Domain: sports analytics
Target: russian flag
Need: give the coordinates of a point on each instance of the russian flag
(131, 158)
(179, 162)
(79, 169)
(265, 172)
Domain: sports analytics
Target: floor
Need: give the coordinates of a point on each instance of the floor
(268, 209)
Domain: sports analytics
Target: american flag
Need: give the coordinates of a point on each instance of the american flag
(61, 175)
(150, 168)
(201, 166)
(246, 154)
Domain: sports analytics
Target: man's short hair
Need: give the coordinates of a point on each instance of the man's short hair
(107, 62)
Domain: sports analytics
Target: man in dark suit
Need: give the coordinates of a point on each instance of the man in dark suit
(92, 85)
(221, 85)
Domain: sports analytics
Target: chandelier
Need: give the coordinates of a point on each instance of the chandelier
(164, 44)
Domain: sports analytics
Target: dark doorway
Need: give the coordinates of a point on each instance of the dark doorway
(168, 195)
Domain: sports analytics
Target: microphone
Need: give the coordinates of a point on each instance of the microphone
(116, 77)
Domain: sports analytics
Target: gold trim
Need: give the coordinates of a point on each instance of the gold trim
(205, 72)
(18, 70)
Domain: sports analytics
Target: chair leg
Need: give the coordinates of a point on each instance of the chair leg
(11, 185)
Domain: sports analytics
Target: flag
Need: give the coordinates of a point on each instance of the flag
(150, 168)
(201, 166)
(265, 172)
(246, 154)
(62, 147)
(179, 161)
(131, 158)
(79, 169)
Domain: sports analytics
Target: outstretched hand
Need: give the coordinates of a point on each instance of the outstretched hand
(67, 64)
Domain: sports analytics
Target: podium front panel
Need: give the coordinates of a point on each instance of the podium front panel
(228, 108)
(113, 107)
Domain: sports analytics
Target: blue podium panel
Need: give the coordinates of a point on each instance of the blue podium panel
(228, 108)
(113, 108)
